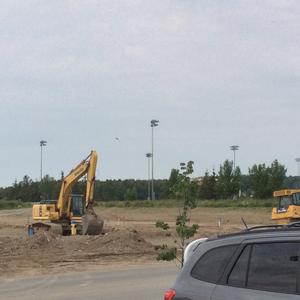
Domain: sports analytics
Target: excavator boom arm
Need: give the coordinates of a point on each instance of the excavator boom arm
(85, 167)
(91, 176)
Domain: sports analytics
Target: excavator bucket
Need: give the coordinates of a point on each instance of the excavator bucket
(91, 224)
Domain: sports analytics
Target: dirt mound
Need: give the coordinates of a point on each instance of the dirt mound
(27, 245)
(50, 252)
(40, 239)
(119, 242)
(111, 243)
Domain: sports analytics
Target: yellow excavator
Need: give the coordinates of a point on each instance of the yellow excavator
(288, 206)
(74, 213)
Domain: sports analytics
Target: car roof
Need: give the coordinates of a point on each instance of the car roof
(292, 229)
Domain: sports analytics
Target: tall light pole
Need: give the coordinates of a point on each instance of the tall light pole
(154, 123)
(298, 164)
(234, 148)
(149, 155)
(42, 144)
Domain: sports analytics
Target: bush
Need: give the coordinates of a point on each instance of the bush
(13, 204)
(139, 203)
(243, 202)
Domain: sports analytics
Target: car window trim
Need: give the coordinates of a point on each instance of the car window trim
(223, 280)
(248, 264)
(233, 262)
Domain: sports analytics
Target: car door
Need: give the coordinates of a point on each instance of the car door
(263, 270)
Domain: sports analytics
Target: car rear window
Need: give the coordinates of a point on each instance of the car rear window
(211, 265)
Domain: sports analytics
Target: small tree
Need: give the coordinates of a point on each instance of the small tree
(130, 194)
(259, 178)
(228, 183)
(264, 180)
(183, 188)
(277, 175)
(207, 189)
(172, 181)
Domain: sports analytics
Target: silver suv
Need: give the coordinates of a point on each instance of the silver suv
(260, 263)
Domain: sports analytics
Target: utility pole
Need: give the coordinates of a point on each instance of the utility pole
(42, 144)
(154, 123)
(149, 155)
(234, 148)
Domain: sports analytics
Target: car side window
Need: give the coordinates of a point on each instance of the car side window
(271, 267)
(238, 274)
(274, 267)
(211, 265)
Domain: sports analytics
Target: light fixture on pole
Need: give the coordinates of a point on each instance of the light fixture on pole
(234, 148)
(149, 155)
(154, 123)
(42, 144)
(298, 165)
(182, 166)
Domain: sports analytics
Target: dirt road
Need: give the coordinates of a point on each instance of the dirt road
(146, 282)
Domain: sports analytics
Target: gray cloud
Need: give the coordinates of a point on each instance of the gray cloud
(79, 73)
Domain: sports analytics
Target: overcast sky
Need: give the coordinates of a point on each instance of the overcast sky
(78, 74)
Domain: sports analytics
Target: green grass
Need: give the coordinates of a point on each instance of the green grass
(140, 203)
(14, 204)
(244, 202)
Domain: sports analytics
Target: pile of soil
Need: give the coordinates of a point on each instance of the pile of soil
(46, 250)
(114, 242)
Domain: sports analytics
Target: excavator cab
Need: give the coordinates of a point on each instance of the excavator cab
(288, 206)
(77, 205)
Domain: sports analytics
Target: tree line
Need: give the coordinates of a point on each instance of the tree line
(48, 188)
(260, 182)
(226, 183)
